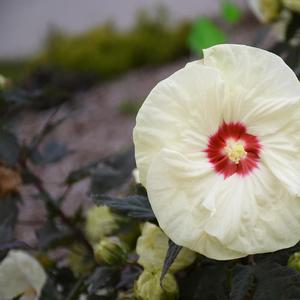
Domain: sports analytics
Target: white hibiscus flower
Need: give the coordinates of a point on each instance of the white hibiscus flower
(217, 147)
(21, 275)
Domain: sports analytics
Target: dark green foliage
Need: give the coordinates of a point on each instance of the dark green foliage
(274, 281)
(9, 148)
(103, 277)
(52, 152)
(107, 173)
(8, 218)
(133, 206)
(242, 282)
(207, 280)
(173, 251)
(50, 236)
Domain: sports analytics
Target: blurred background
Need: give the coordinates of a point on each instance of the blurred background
(74, 74)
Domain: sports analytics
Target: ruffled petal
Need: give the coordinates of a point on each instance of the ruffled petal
(261, 90)
(180, 193)
(255, 214)
(187, 106)
(281, 156)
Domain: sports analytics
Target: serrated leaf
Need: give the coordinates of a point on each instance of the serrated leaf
(242, 282)
(9, 147)
(204, 34)
(112, 172)
(52, 152)
(106, 173)
(172, 253)
(231, 12)
(133, 206)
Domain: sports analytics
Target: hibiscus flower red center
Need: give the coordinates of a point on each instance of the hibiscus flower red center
(232, 150)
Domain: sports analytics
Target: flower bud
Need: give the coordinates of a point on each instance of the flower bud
(100, 222)
(147, 287)
(266, 11)
(294, 261)
(152, 247)
(111, 251)
(293, 5)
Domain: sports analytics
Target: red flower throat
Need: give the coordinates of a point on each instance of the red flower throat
(232, 150)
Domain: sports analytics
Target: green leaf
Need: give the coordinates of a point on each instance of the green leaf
(15, 244)
(9, 147)
(173, 251)
(136, 206)
(204, 34)
(266, 280)
(112, 172)
(207, 280)
(276, 282)
(242, 282)
(52, 152)
(8, 218)
(231, 12)
(106, 173)
(50, 236)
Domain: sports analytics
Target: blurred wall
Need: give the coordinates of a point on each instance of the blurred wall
(24, 23)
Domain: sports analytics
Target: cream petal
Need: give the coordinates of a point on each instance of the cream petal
(185, 106)
(280, 153)
(197, 208)
(177, 188)
(261, 90)
(20, 272)
(255, 214)
(258, 72)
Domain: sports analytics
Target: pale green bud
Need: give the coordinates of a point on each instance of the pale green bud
(294, 261)
(100, 222)
(147, 287)
(111, 251)
(293, 5)
(152, 247)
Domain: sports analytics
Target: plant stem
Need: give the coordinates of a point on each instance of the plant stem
(56, 209)
(77, 289)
